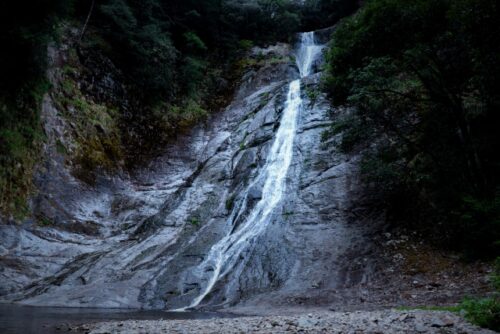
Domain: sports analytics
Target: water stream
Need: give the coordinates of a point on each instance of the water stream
(16, 319)
(224, 255)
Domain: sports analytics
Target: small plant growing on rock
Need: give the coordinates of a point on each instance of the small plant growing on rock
(313, 95)
(44, 222)
(230, 203)
(485, 312)
(287, 214)
(245, 44)
(194, 221)
(60, 148)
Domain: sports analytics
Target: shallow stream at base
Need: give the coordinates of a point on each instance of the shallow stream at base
(16, 319)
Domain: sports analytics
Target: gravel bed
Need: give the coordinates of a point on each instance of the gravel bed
(389, 321)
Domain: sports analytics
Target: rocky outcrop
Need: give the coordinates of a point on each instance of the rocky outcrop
(134, 239)
(324, 36)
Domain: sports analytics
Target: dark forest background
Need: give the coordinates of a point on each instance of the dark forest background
(423, 78)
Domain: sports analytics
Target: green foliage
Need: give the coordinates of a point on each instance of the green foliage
(193, 72)
(194, 42)
(230, 203)
(420, 75)
(262, 20)
(352, 130)
(287, 214)
(61, 149)
(194, 221)
(96, 136)
(246, 44)
(20, 137)
(166, 47)
(44, 221)
(312, 95)
(325, 13)
(140, 43)
(120, 14)
(479, 219)
(191, 113)
(25, 28)
(483, 312)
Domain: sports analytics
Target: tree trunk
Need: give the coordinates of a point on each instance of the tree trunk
(87, 20)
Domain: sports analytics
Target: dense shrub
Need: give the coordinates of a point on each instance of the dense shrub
(422, 76)
(25, 28)
(485, 312)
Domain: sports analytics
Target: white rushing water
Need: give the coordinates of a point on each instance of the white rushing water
(224, 255)
(307, 53)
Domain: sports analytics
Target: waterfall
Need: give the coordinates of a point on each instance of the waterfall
(307, 53)
(224, 255)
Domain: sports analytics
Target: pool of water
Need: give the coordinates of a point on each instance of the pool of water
(51, 320)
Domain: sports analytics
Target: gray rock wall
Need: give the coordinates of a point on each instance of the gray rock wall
(149, 230)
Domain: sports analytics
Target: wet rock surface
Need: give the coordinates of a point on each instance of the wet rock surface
(333, 322)
(127, 241)
(132, 241)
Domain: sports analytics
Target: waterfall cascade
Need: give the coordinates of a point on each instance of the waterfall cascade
(307, 53)
(224, 255)
(171, 263)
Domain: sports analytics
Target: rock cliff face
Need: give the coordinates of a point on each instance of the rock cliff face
(135, 241)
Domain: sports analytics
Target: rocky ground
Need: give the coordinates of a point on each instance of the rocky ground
(389, 321)
(410, 273)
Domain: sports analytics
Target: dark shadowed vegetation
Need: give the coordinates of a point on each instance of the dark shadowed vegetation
(422, 77)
